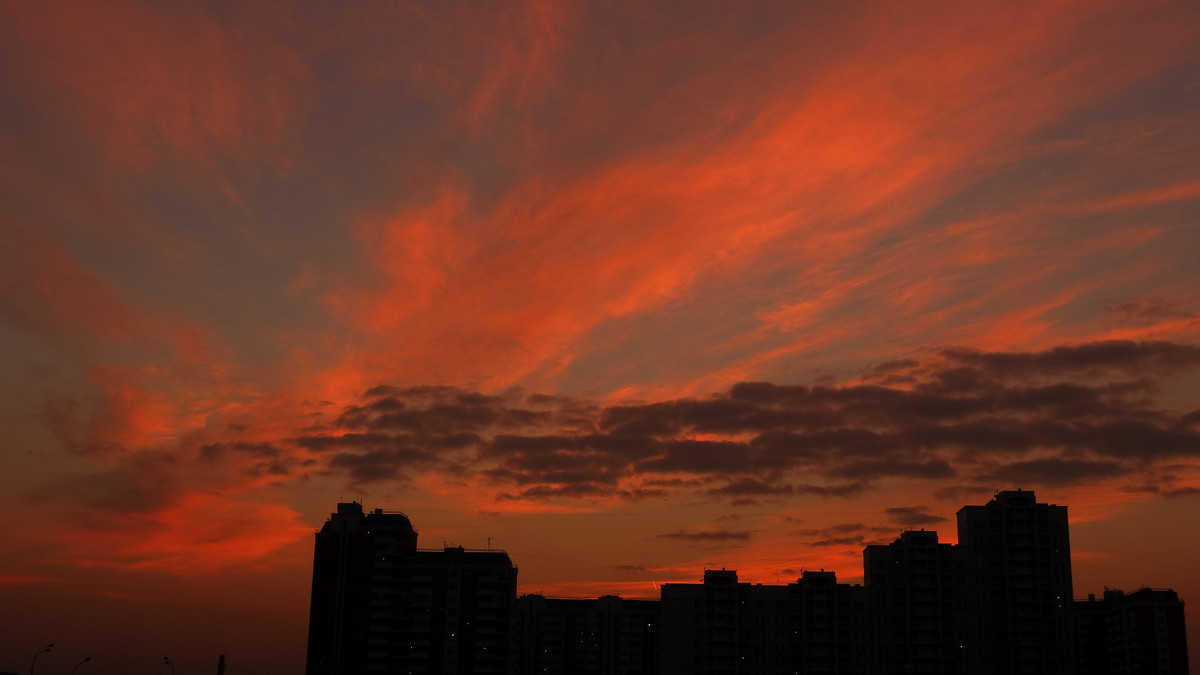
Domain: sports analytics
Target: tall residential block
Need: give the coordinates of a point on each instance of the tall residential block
(608, 635)
(828, 624)
(916, 587)
(722, 627)
(380, 605)
(1140, 632)
(1017, 608)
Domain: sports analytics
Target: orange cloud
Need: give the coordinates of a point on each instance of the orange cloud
(197, 533)
(1171, 193)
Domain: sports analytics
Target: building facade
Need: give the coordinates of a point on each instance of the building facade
(380, 605)
(917, 587)
(1139, 632)
(605, 636)
(1017, 609)
(828, 623)
(722, 626)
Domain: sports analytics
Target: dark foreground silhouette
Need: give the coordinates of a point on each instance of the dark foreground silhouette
(998, 603)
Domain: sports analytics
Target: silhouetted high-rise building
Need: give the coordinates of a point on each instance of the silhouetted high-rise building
(916, 587)
(828, 626)
(379, 605)
(721, 627)
(1017, 609)
(343, 574)
(605, 636)
(1125, 633)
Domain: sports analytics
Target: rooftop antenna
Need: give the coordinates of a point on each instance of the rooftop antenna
(489, 544)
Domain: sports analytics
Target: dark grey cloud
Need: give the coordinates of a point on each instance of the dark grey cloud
(350, 441)
(962, 493)
(913, 516)
(839, 541)
(750, 487)
(844, 490)
(215, 451)
(1191, 419)
(255, 459)
(707, 536)
(839, 529)
(1140, 440)
(1148, 311)
(1085, 359)
(705, 457)
(1182, 492)
(1065, 415)
(1055, 471)
(845, 534)
(932, 468)
(898, 364)
(436, 410)
(570, 490)
(380, 464)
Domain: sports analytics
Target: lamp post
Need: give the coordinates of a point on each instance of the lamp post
(168, 663)
(85, 660)
(39, 652)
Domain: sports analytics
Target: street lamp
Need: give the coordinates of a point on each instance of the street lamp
(39, 652)
(85, 660)
(168, 664)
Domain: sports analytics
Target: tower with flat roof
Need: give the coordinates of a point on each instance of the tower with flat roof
(344, 573)
(1138, 632)
(379, 604)
(916, 589)
(723, 626)
(1018, 586)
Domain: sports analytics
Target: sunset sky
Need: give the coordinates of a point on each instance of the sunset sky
(627, 289)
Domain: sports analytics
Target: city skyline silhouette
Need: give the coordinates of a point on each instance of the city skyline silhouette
(1001, 602)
